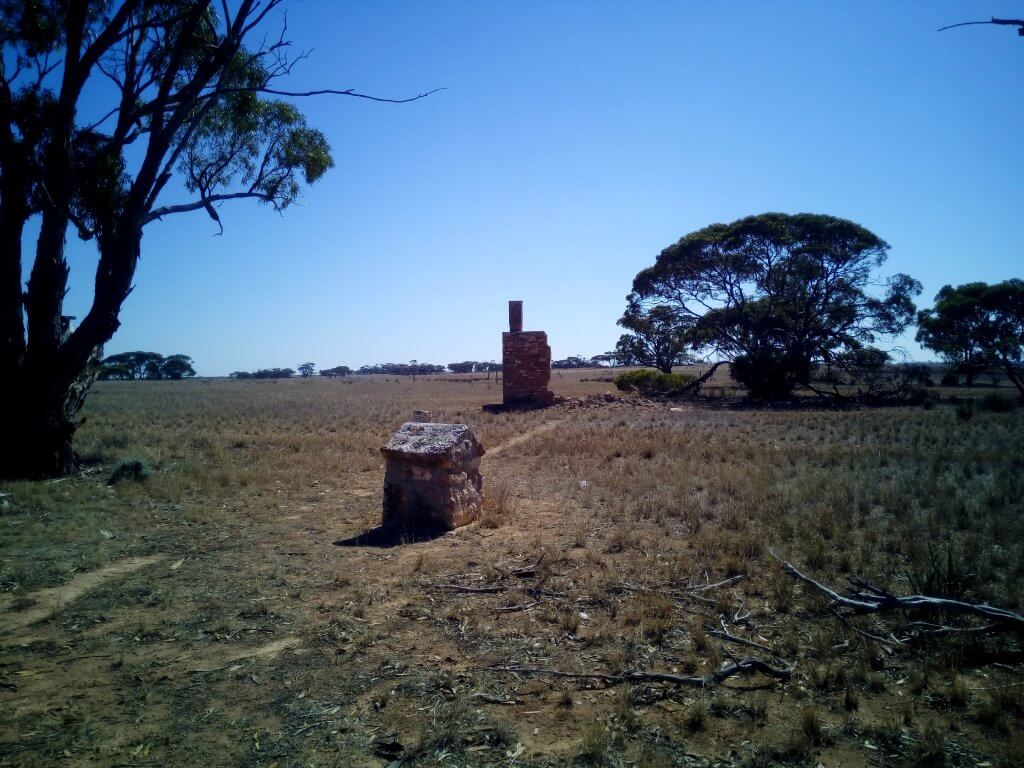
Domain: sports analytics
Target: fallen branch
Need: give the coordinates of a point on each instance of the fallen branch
(725, 634)
(517, 608)
(740, 667)
(706, 587)
(497, 589)
(865, 598)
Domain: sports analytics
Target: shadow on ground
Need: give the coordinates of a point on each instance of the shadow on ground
(386, 538)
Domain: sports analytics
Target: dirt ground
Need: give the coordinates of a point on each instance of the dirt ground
(209, 613)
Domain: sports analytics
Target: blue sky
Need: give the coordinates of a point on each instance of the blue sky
(575, 140)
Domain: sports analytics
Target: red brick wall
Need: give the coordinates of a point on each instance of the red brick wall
(526, 367)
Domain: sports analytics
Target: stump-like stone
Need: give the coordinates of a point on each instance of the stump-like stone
(432, 478)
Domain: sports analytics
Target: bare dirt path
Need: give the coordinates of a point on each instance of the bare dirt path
(547, 426)
(47, 601)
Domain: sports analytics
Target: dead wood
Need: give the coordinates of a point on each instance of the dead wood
(738, 667)
(716, 585)
(725, 634)
(863, 597)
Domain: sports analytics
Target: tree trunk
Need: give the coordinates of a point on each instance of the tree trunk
(49, 387)
(40, 423)
(42, 416)
(1013, 374)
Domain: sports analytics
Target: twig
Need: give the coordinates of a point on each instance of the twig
(706, 587)
(724, 634)
(495, 589)
(517, 608)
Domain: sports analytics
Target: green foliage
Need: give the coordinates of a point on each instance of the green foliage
(770, 375)
(146, 365)
(977, 326)
(779, 294)
(264, 146)
(658, 336)
(336, 372)
(997, 403)
(134, 470)
(307, 369)
(192, 94)
(648, 382)
(950, 379)
(264, 373)
(413, 368)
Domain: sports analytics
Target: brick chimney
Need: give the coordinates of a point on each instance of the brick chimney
(515, 316)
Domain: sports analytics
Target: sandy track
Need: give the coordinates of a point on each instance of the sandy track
(47, 601)
(528, 434)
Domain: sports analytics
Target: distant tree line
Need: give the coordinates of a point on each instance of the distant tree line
(401, 369)
(145, 365)
(337, 372)
(472, 366)
(579, 361)
(264, 373)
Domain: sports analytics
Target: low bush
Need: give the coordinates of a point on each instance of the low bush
(997, 403)
(648, 382)
(131, 469)
(965, 410)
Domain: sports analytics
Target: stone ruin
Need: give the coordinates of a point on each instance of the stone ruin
(432, 479)
(525, 362)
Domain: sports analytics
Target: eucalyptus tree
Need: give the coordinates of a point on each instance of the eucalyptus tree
(102, 105)
(977, 326)
(658, 336)
(777, 295)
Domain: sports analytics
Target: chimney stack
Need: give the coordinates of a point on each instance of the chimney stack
(515, 316)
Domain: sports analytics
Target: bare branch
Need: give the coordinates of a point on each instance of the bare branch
(205, 202)
(1019, 23)
(328, 92)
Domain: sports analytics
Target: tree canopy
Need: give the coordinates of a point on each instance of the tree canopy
(777, 294)
(658, 336)
(146, 365)
(977, 326)
(194, 101)
(336, 372)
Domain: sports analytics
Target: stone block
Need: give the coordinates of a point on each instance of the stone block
(432, 477)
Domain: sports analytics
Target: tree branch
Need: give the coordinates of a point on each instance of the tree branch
(739, 667)
(195, 205)
(1019, 23)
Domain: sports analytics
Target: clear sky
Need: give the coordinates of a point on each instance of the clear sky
(575, 140)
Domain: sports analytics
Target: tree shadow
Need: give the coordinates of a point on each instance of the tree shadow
(385, 538)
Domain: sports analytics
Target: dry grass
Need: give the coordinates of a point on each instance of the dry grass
(314, 654)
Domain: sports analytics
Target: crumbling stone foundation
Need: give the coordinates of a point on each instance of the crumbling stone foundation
(432, 479)
(525, 362)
